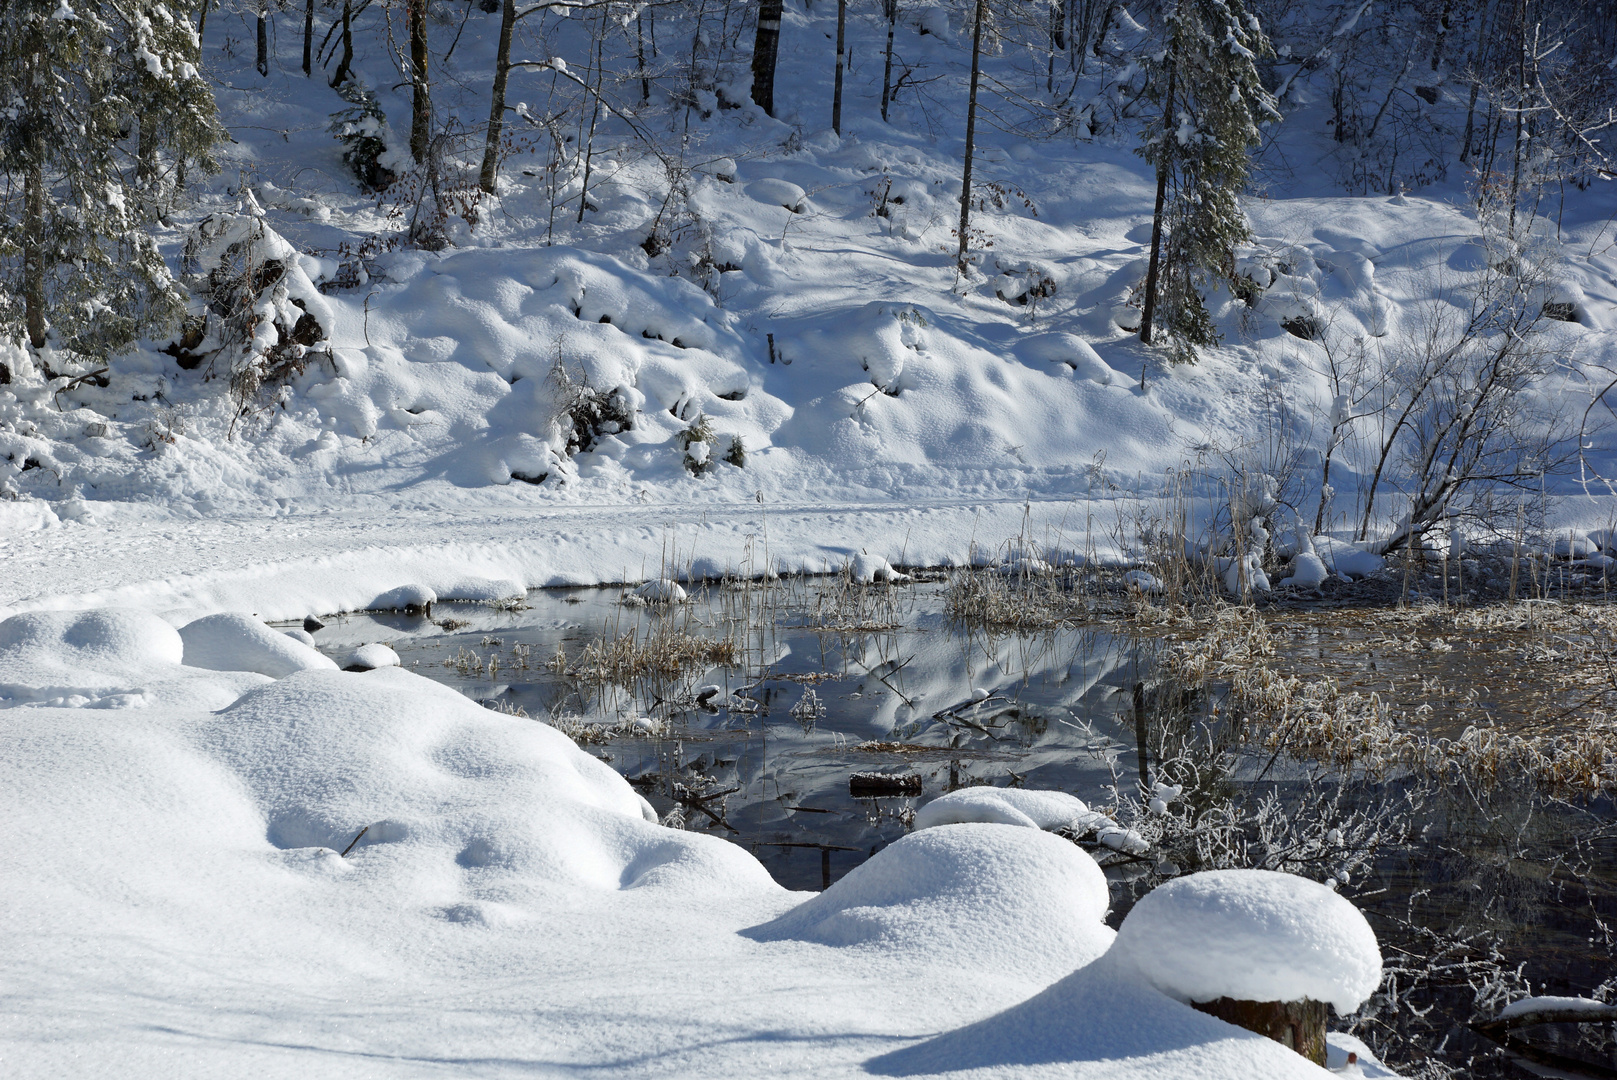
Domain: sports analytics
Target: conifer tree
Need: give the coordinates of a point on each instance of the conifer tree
(97, 103)
(1210, 102)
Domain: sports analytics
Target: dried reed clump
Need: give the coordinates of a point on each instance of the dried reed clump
(666, 652)
(1013, 601)
(1313, 719)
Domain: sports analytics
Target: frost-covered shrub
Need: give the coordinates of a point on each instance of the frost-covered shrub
(363, 130)
(586, 415)
(253, 305)
(697, 442)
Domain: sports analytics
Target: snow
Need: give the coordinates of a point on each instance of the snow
(1522, 1006)
(991, 895)
(505, 897)
(232, 641)
(1005, 806)
(661, 591)
(370, 657)
(1253, 935)
(1348, 559)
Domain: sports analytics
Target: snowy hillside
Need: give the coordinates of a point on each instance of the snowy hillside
(800, 335)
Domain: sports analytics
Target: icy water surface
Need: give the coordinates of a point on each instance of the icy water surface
(801, 711)
(833, 714)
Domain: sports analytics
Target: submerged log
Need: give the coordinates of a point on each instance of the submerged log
(883, 785)
(1297, 1025)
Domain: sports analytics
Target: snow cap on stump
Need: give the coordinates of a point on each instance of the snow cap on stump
(1252, 935)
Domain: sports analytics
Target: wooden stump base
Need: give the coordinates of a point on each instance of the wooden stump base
(1297, 1025)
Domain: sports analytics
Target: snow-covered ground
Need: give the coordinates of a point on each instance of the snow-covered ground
(802, 378)
(340, 874)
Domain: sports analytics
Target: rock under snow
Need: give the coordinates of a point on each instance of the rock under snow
(107, 659)
(661, 591)
(1348, 559)
(1253, 935)
(1003, 806)
(986, 895)
(232, 641)
(869, 568)
(404, 598)
(1307, 572)
(370, 657)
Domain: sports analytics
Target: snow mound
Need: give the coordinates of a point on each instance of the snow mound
(1075, 353)
(231, 641)
(661, 591)
(325, 755)
(107, 659)
(866, 569)
(990, 896)
(1003, 806)
(1253, 935)
(1307, 572)
(1347, 559)
(404, 598)
(370, 658)
(483, 590)
(134, 638)
(782, 193)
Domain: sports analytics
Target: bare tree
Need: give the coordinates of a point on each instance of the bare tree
(766, 53)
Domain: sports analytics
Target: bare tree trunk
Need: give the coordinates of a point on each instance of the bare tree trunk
(890, 9)
(496, 108)
(1058, 43)
(765, 53)
(308, 38)
(595, 116)
(421, 98)
(345, 65)
(34, 255)
(640, 58)
(263, 40)
(202, 19)
(971, 130)
(1153, 266)
(146, 157)
(836, 94)
(1521, 111)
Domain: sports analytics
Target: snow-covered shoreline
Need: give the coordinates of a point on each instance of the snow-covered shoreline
(177, 902)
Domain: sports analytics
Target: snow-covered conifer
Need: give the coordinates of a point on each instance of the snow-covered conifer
(96, 101)
(1211, 101)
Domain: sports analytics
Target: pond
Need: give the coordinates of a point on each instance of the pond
(808, 719)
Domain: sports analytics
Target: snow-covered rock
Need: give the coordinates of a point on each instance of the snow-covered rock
(404, 598)
(661, 591)
(1254, 935)
(232, 641)
(104, 659)
(370, 657)
(1307, 572)
(976, 892)
(1348, 559)
(866, 569)
(1004, 806)
(1143, 581)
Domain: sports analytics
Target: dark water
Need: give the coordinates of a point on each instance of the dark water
(828, 687)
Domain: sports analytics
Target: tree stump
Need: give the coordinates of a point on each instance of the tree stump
(1297, 1025)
